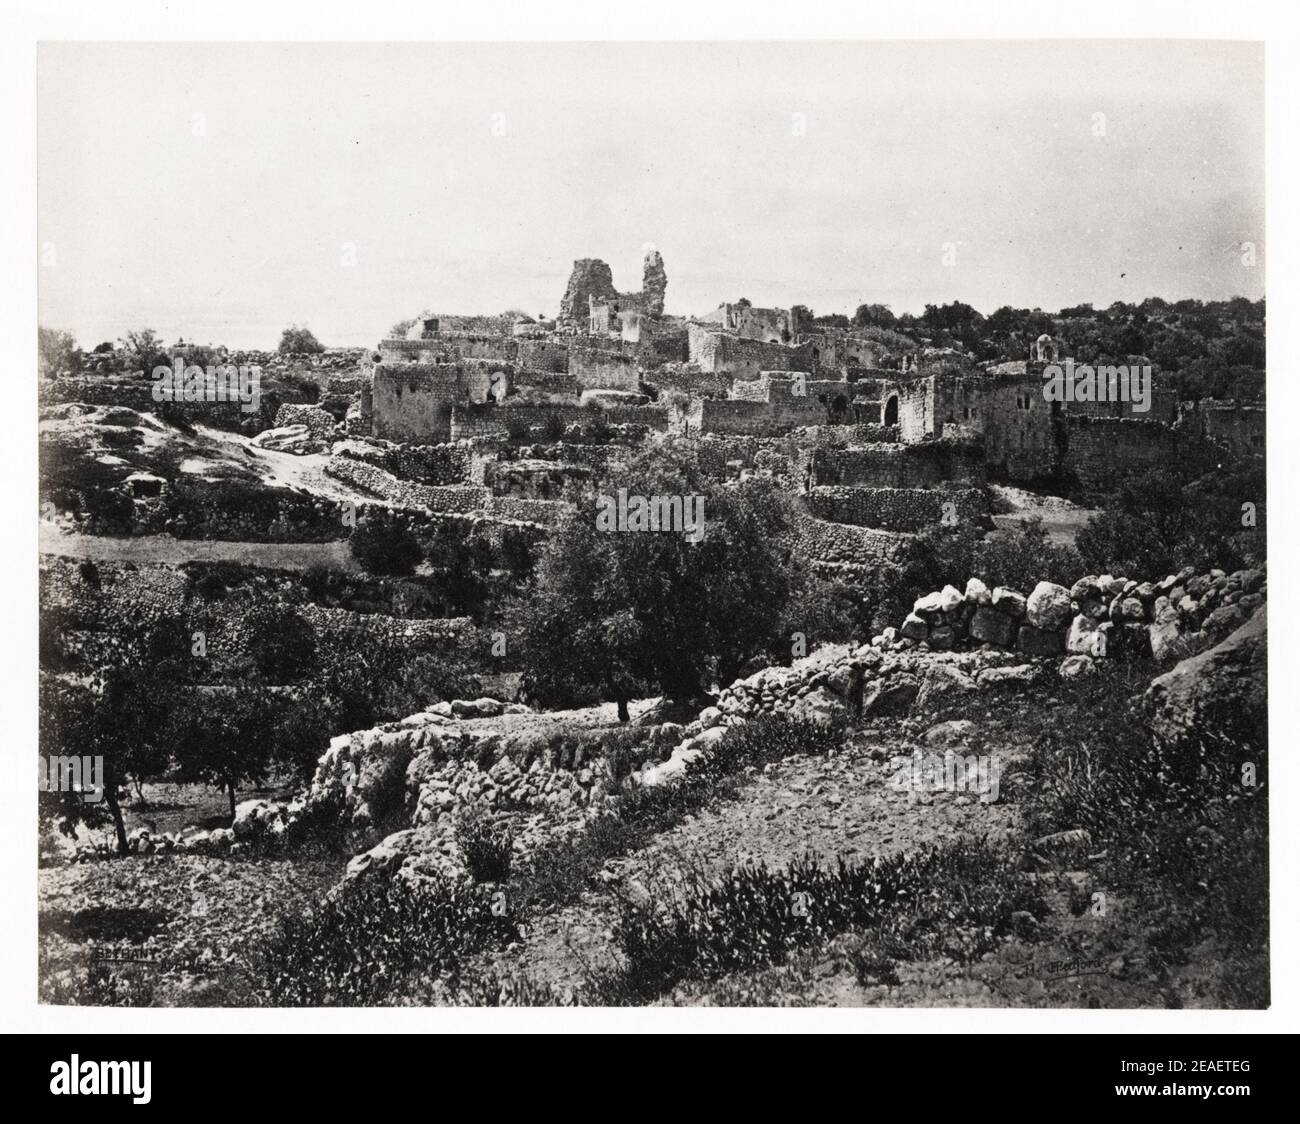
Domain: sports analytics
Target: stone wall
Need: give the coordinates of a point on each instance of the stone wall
(718, 352)
(545, 513)
(1099, 616)
(406, 493)
(549, 356)
(603, 370)
(689, 379)
(843, 543)
(898, 509)
(412, 402)
(891, 465)
(1238, 427)
(137, 394)
(1104, 453)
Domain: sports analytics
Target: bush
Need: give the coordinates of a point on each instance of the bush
(382, 545)
(518, 430)
(485, 847)
(377, 942)
(955, 901)
(518, 553)
(1159, 524)
(295, 340)
(766, 740)
(553, 428)
(281, 643)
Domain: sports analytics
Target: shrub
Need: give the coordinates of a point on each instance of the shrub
(297, 339)
(955, 901)
(209, 586)
(486, 847)
(517, 429)
(553, 428)
(768, 739)
(376, 942)
(281, 643)
(518, 553)
(382, 545)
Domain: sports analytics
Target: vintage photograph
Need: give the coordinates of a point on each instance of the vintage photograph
(654, 524)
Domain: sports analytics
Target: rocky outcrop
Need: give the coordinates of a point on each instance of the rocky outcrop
(295, 439)
(1220, 693)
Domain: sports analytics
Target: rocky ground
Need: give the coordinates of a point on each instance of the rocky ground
(205, 917)
(846, 805)
(1062, 519)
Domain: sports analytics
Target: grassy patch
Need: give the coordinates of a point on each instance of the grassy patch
(378, 942)
(956, 902)
(558, 875)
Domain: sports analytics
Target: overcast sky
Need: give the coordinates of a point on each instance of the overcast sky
(222, 192)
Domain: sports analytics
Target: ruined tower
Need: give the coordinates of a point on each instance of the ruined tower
(654, 283)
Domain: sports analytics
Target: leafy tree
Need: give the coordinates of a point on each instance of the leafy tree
(609, 610)
(297, 340)
(461, 567)
(227, 737)
(56, 352)
(381, 544)
(127, 719)
(874, 315)
(147, 350)
(281, 643)
(1158, 523)
(71, 726)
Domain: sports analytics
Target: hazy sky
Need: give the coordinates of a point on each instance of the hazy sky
(221, 192)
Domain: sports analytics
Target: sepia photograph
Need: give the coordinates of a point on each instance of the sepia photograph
(674, 525)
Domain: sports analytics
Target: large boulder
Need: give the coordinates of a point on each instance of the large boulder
(1221, 692)
(914, 627)
(889, 696)
(942, 681)
(1021, 675)
(822, 706)
(1049, 607)
(1040, 641)
(1010, 602)
(993, 627)
(259, 821)
(1086, 637)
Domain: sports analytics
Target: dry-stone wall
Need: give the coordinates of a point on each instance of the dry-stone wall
(898, 509)
(1098, 616)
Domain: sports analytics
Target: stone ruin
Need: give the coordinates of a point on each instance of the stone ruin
(591, 300)
(875, 444)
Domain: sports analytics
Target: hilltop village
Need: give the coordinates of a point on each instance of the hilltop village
(496, 416)
(405, 671)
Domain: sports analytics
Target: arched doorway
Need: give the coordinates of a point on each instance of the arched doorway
(891, 410)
